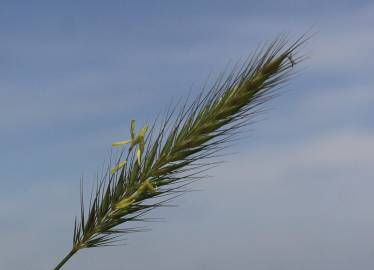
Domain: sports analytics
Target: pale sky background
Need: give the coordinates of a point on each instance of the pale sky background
(298, 196)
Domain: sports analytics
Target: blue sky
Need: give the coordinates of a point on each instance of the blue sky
(298, 195)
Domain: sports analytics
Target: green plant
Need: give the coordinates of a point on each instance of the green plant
(158, 165)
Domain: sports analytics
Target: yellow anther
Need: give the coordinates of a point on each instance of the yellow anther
(118, 167)
(120, 143)
(125, 203)
(149, 186)
(135, 140)
(145, 187)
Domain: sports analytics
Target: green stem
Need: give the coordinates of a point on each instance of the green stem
(64, 260)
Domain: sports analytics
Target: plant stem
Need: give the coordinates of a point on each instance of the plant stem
(64, 260)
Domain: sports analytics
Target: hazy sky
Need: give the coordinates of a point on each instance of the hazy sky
(297, 196)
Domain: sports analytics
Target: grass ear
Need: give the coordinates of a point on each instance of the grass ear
(168, 160)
